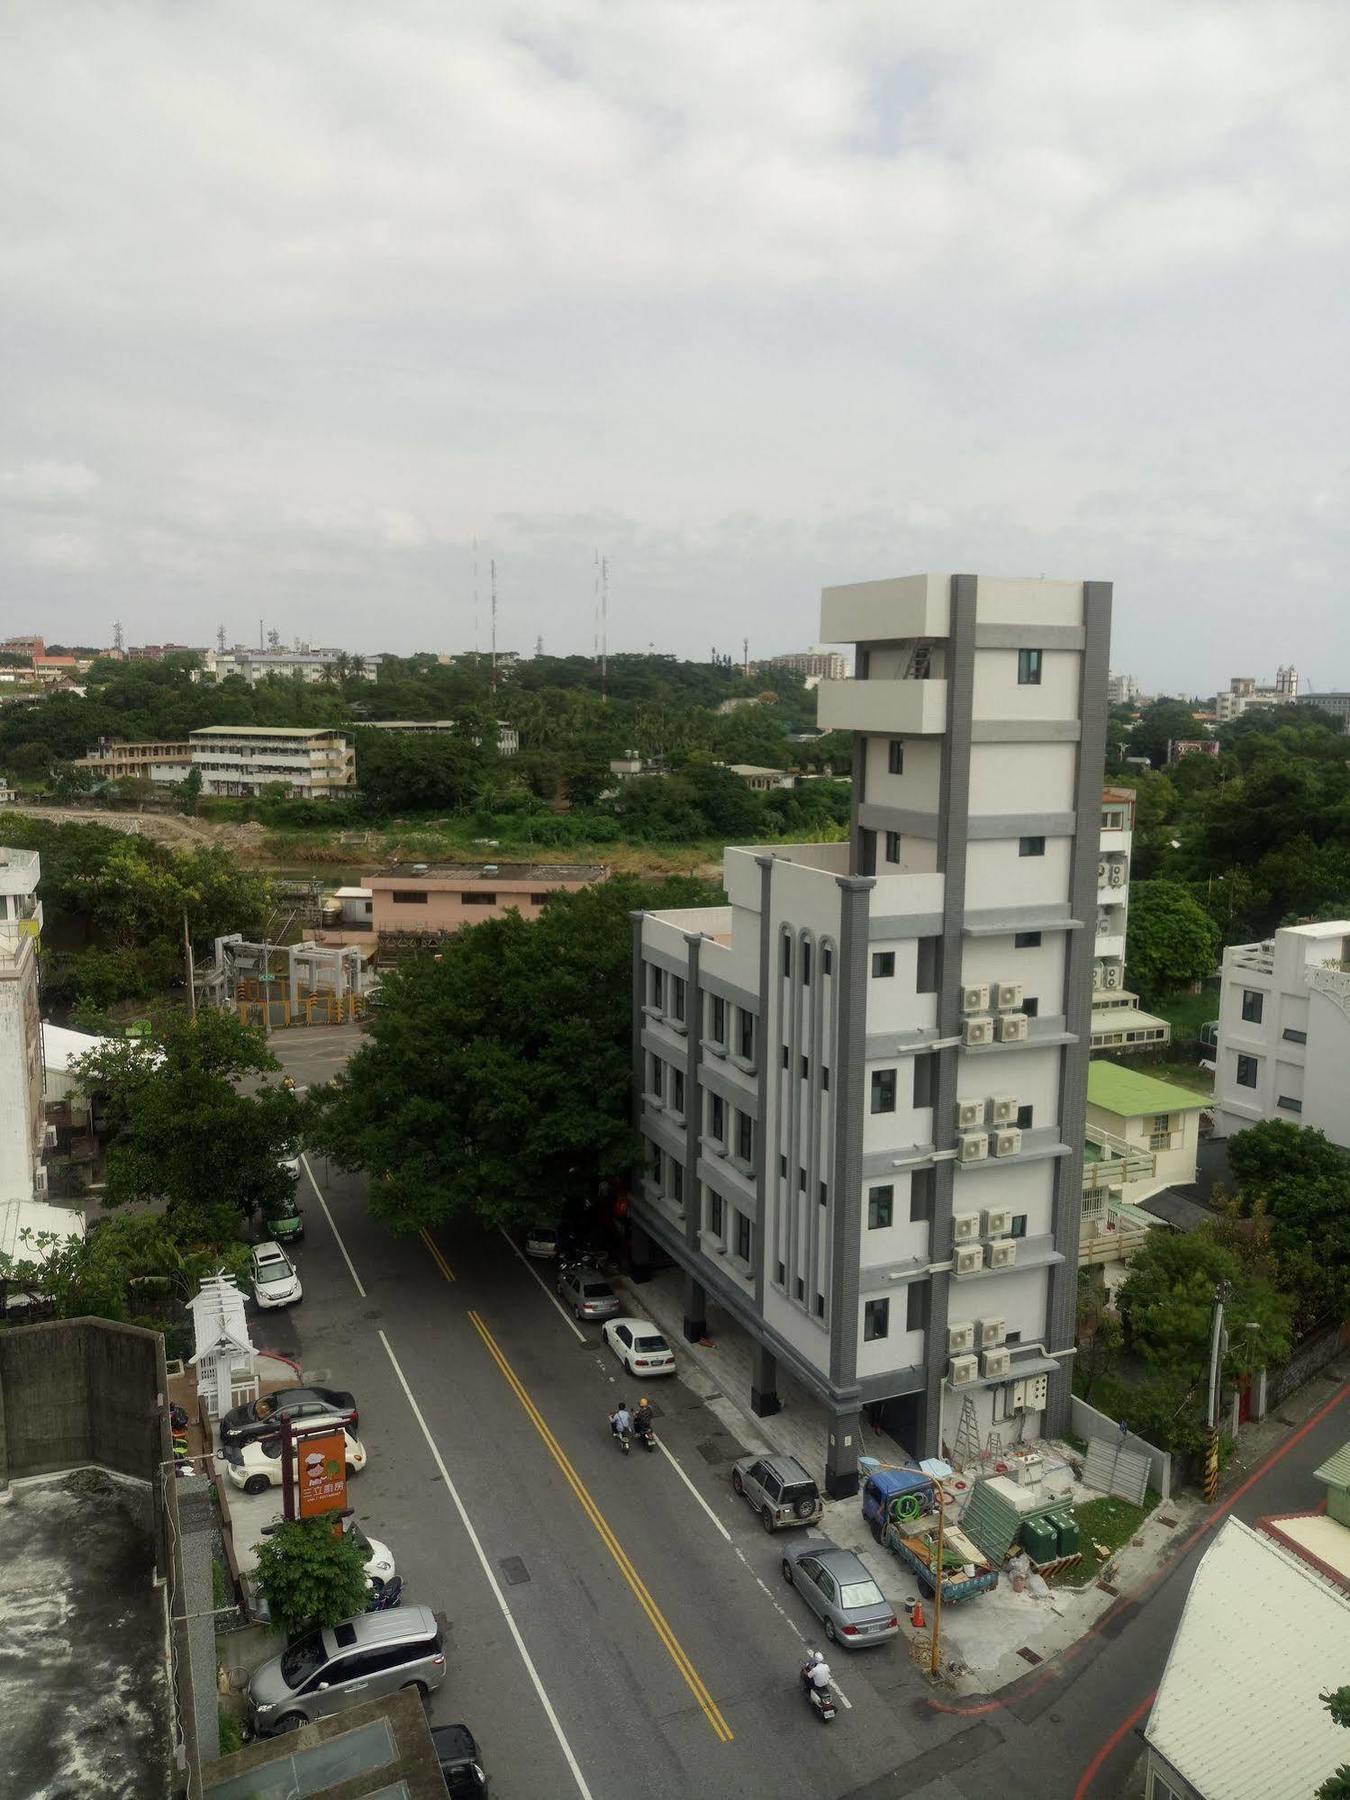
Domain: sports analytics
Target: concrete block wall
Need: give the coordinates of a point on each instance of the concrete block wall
(77, 1391)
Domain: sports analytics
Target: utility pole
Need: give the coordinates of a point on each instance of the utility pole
(262, 636)
(191, 971)
(1217, 1344)
(745, 658)
(935, 1655)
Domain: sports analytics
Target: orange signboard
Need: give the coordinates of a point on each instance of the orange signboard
(321, 1474)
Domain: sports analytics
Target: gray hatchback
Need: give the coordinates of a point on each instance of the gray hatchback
(323, 1671)
(779, 1489)
(840, 1590)
(589, 1295)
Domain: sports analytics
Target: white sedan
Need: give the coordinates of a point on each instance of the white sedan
(379, 1557)
(639, 1346)
(272, 1276)
(256, 1467)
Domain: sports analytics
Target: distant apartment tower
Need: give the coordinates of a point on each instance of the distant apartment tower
(818, 664)
(862, 1083)
(310, 665)
(1244, 692)
(1284, 1032)
(1117, 1023)
(1121, 690)
(21, 1111)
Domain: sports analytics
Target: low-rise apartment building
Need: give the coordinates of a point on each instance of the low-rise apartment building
(823, 663)
(862, 1083)
(164, 762)
(1284, 1032)
(241, 761)
(435, 899)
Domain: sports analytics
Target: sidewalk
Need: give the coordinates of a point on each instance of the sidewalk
(1258, 1441)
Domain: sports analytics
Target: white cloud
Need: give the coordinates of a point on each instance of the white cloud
(40, 482)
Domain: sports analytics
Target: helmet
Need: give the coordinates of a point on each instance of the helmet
(643, 1401)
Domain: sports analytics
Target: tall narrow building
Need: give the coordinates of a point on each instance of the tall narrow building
(862, 1083)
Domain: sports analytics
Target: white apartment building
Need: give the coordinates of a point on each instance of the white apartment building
(1284, 1032)
(1117, 1023)
(242, 760)
(820, 663)
(1121, 690)
(1244, 692)
(862, 1083)
(21, 1111)
(303, 661)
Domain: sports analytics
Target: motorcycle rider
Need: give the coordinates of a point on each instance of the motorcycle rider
(621, 1421)
(642, 1418)
(816, 1674)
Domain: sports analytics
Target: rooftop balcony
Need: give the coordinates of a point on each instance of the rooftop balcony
(913, 708)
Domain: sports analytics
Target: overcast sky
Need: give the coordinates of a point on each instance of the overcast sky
(296, 300)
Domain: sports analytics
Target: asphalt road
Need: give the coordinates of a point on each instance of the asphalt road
(619, 1625)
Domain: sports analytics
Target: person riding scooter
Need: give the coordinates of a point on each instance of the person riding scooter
(643, 1417)
(621, 1424)
(816, 1674)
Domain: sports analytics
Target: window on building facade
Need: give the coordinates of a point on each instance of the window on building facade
(1031, 1006)
(824, 1076)
(677, 1182)
(717, 1022)
(715, 1212)
(1253, 1005)
(876, 1320)
(677, 1090)
(1026, 940)
(1031, 846)
(892, 846)
(409, 896)
(820, 1306)
(1160, 1138)
(787, 1057)
(782, 1274)
(659, 989)
(801, 1181)
(806, 965)
(678, 987)
(922, 1195)
(787, 955)
(1294, 1037)
(806, 1068)
(1247, 1067)
(782, 1167)
(895, 756)
(538, 899)
(917, 1297)
(883, 964)
(746, 1044)
(883, 1090)
(658, 1077)
(1025, 1114)
(1018, 1227)
(745, 1137)
(928, 960)
(925, 1079)
(1028, 668)
(826, 959)
(800, 1288)
(743, 1237)
(1288, 1103)
(880, 1207)
(476, 897)
(824, 1194)
(717, 1118)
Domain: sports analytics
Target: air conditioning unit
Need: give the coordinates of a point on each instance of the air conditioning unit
(1008, 996)
(997, 1221)
(49, 1137)
(965, 1369)
(996, 1363)
(969, 1114)
(960, 1338)
(972, 1146)
(1007, 1142)
(1003, 1253)
(977, 1031)
(1003, 1109)
(975, 999)
(1103, 873)
(1111, 975)
(969, 1259)
(991, 1333)
(1012, 1027)
(1117, 874)
(965, 1227)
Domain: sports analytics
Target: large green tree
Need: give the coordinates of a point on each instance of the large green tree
(1300, 1183)
(131, 1268)
(496, 1081)
(1171, 940)
(310, 1575)
(1166, 1304)
(192, 1123)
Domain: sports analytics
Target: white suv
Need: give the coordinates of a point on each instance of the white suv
(272, 1276)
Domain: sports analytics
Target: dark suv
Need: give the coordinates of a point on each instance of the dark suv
(779, 1489)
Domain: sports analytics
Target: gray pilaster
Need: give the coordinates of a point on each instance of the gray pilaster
(639, 1000)
(953, 813)
(766, 1048)
(764, 1401)
(841, 1455)
(850, 1077)
(1078, 959)
(693, 1095)
(859, 796)
(695, 1309)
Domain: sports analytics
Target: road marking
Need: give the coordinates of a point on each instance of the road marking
(567, 1320)
(1090, 1774)
(675, 1649)
(318, 1195)
(497, 1594)
(693, 1490)
(436, 1255)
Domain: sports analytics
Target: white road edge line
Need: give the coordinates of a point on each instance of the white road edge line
(717, 1523)
(318, 1195)
(497, 1594)
(562, 1310)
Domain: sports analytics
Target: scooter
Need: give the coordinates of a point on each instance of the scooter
(620, 1437)
(647, 1438)
(386, 1596)
(821, 1699)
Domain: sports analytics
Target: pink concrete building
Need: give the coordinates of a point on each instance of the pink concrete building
(435, 898)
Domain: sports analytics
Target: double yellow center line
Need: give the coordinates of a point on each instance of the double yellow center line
(692, 1678)
(436, 1255)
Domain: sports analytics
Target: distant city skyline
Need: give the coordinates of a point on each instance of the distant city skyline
(300, 303)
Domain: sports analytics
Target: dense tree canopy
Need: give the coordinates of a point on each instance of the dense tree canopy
(1167, 1298)
(1171, 940)
(497, 1078)
(311, 1575)
(1299, 1183)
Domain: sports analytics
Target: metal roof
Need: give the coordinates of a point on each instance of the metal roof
(1130, 1093)
(1237, 1713)
(1335, 1471)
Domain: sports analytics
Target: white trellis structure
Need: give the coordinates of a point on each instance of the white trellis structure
(224, 1358)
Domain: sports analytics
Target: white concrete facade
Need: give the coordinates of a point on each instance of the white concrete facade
(862, 1082)
(242, 760)
(309, 665)
(1117, 1023)
(1284, 1032)
(21, 1075)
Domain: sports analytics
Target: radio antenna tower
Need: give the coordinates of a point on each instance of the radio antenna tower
(595, 612)
(745, 657)
(119, 642)
(220, 639)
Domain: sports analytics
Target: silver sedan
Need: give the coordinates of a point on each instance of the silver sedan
(589, 1295)
(839, 1589)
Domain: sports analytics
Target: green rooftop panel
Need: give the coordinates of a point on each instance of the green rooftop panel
(1130, 1093)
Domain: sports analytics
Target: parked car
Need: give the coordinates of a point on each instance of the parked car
(272, 1276)
(358, 1660)
(589, 1295)
(262, 1417)
(639, 1346)
(379, 1557)
(282, 1219)
(779, 1489)
(839, 1588)
(257, 1466)
(460, 1760)
(542, 1241)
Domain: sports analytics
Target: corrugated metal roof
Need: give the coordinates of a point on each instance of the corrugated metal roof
(1335, 1471)
(1237, 1712)
(1129, 1092)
